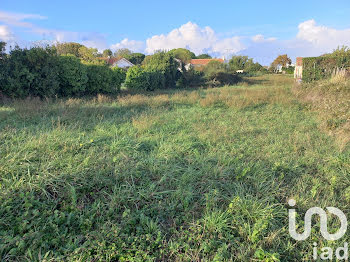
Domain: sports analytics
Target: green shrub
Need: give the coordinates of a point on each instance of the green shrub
(317, 68)
(135, 58)
(73, 76)
(119, 75)
(102, 79)
(137, 78)
(218, 74)
(165, 64)
(30, 72)
(191, 77)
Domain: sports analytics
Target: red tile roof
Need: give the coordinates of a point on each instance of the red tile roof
(110, 60)
(299, 61)
(205, 61)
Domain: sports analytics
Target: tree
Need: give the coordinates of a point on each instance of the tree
(87, 54)
(217, 73)
(2, 65)
(182, 54)
(164, 63)
(203, 56)
(244, 63)
(135, 58)
(70, 48)
(107, 52)
(2, 50)
(123, 52)
(239, 62)
(282, 60)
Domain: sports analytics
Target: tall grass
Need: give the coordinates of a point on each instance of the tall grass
(191, 175)
(331, 100)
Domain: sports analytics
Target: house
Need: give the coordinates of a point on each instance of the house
(298, 70)
(202, 62)
(279, 68)
(117, 61)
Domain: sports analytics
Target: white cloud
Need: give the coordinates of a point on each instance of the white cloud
(260, 39)
(323, 38)
(133, 45)
(311, 40)
(5, 34)
(17, 19)
(197, 39)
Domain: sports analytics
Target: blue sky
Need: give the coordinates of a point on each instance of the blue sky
(261, 29)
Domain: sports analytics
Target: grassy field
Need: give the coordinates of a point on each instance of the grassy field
(194, 175)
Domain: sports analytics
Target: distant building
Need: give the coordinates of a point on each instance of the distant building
(298, 71)
(240, 71)
(202, 62)
(117, 61)
(279, 68)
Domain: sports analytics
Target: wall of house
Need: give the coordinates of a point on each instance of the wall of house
(298, 71)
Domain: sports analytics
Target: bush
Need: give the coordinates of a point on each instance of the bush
(137, 78)
(102, 79)
(190, 78)
(30, 72)
(317, 68)
(119, 75)
(218, 74)
(140, 78)
(165, 64)
(289, 70)
(73, 76)
(40, 72)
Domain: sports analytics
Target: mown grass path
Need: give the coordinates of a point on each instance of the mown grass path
(175, 176)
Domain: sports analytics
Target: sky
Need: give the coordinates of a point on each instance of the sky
(259, 29)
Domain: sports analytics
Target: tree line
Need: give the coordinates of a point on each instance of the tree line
(72, 69)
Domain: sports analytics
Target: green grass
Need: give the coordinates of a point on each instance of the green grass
(168, 176)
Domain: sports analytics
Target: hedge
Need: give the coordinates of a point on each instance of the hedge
(317, 68)
(102, 79)
(41, 72)
(139, 78)
(30, 72)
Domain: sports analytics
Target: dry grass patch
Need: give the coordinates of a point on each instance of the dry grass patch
(144, 122)
(331, 100)
(245, 97)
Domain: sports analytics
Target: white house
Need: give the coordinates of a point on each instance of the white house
(117, 61)
(122, 63)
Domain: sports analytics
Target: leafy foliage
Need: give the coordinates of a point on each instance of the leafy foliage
(70, 48)
(123, 52)
(137, 79)
(217, 74)
(73, 76)
(203, 56)
(322, 67)
(30, 72)
(182, 54)
(103, 80)
(135, 58)
(107, 52)
(87, 54)
(282, 60)
(165, 64)
(40, 72)
(244, 63)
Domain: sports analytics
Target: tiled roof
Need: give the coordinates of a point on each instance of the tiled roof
(299, 61)
(110, 60)
(205, 61)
